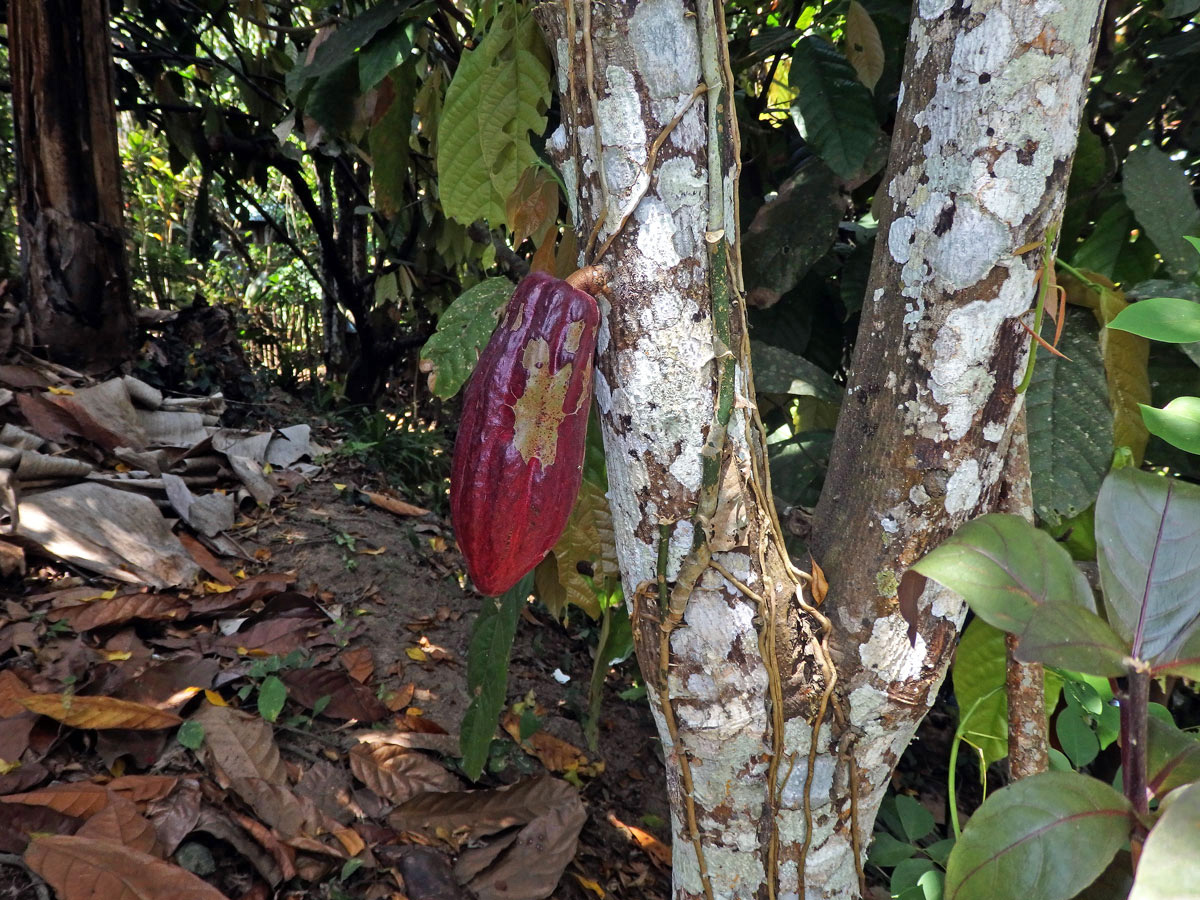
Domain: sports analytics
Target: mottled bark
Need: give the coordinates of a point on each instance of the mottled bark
(989, 112)
(988, 124)
(69, 181)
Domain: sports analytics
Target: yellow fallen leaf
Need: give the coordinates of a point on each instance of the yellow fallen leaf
(6, 766)
(416, 711)
(214, 698)
(375, 552)
(415, 653)
(215, 587)
(62, 392)
(590, 885)
(117, 655)
(99, 712)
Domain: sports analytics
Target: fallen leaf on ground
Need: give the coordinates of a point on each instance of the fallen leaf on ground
(99, 712)
(347, 698)
(658, 852)
(239, 745)
(396, 774)
(82, 868)
(81, 799)
(121, 822)
(554, 753)
(394, 506)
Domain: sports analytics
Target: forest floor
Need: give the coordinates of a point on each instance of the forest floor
(301, 706)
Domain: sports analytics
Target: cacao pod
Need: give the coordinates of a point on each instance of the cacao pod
(518, 458)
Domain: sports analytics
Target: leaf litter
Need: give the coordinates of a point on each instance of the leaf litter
(167, 583)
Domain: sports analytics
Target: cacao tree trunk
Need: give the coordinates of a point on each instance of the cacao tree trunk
(69, 181)
(987, 125)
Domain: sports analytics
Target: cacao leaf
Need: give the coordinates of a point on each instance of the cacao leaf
(122, 608)
(778, 371)
(99, 712)
(82, 868)
(463, 331)
(121, 822)
(397, 773)
(1160, 195)
(834, 110)
(348, 699)
(1070, 424)
(864, 48)
(239, 745)
(532, 207)
(1169, 868)
(389, 143)
(587, 539)
(79, 799)
(499, 94)
(1126, 357)
(487, 672)
(1074, 820)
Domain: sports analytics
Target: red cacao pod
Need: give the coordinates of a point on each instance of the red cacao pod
(518, 458)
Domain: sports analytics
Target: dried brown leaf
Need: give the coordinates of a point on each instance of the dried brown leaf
(394, 505)
(554, 753)
(143, 788)
(121, 822)
(122, 608)
(359, 663)
(276, 805)
(20, 822)
(397, 774)
(12, 688)
(81, 799)
(347, 698)
(81, 868)
(239, 745)
(481, 813)
(99, 712)
(204, 559)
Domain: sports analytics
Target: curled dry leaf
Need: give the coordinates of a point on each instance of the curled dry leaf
(239, 745)
(275, 804)
(554, 753)
(659, 853)
(99, 712)
(398, 774)
(82, 868)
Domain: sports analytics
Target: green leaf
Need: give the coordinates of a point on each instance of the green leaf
(1177, 423)
(1170, 866)
(1102, 250)
(915, 819)
(1172, 757)
(191, 735)
(1147, 531)
(1077, 534)
(917, 879)
(389, 138)
(1172, 320)
(343, 45)
(1071, 637)
(1004, 567)
(886, 851)
(790, 232)
(834, 110)
(778, 371)
(1160, 195)
(1076, 737)
(387, 51)
(463, 331)
(798, 466)
(1047, 836)
(979, 670)
(487, 672)
(1070, 424)
(1125, 366)
(272, 694)
(499, 94)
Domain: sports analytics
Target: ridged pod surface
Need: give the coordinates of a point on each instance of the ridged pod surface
(518, 458)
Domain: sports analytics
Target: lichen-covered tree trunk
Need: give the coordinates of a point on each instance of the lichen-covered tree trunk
(69, 181)
(992, 101)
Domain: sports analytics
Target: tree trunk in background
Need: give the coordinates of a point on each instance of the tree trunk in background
(69, 181)
(988, 122)
(990, 108)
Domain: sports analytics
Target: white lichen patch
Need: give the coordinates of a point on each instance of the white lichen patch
(666, 47)
(944, 603)
(964, 488)
(681, 184)
(993, 431)
(655, 236)
(888, 653)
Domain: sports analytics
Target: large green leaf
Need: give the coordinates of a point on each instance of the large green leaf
(463, 331)
(1070, 424)
(834, 110)
(389, 138)
(1172, 757)
(1071, 637)
(1172, 320)
(1177, 423)
(798, 466)
(499, 95)
(1147, 534)
(487, 672)
(1125, 366)
(1045, 837)
(980, 665)
(1005, 568)
(778, 371)
(1160, 195)
(1170, 866)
